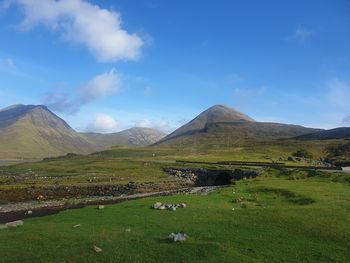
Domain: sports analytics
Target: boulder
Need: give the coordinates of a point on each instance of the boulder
(97, 249)
(14, 224)
(40, 198)
(179, 237)
(157, 205)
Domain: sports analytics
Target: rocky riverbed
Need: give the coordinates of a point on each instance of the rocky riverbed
(21, 210)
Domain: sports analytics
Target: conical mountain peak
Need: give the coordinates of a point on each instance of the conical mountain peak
(222, 113)
(215, 114)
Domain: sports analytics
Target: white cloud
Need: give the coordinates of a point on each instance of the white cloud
(346, 121)
(234, 78)
(103, 123)
(339, 93)
(300, 34)
(98, 87)
(60, 102)
(160, 124)
(147, 91)
(246, 92)
(5, 4)
(144, 123)
(9, 66)
(81, 22)
(7, 62)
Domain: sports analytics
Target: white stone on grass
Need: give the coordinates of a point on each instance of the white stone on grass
(97, 249)
(14, 224)
(179, 237)
(157, 205)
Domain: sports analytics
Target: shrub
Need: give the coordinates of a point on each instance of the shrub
(302, 153)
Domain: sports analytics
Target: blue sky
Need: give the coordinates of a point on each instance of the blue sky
(109, 65)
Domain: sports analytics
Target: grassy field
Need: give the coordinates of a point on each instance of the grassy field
(284, 218)
(121, 165)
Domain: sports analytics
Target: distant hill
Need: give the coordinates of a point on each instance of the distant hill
(222, 125)
(33, 131)
(337, 133)
(136, 136)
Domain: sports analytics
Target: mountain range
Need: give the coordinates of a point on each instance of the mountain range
(33, 131)
(137, 136)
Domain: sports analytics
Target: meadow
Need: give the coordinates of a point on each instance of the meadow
(120, 165)
(277, 217)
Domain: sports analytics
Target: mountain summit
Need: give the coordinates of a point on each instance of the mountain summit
(215, 114)
(219, 113)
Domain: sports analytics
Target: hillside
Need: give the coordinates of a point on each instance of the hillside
(221, 125)
(333, 134)
(136, 136)
(29, 131)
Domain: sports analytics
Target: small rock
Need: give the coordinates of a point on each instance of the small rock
(101, 207)
(162, 207)
(233, 209)
(183, 205)
(128, 230)
(15, 224)
(75, 226)
(29, 212)
(172, 208)
(97, 249)
(40, 197)
(179, 237)
(157, 205)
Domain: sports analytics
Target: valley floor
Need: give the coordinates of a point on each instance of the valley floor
(267, 219)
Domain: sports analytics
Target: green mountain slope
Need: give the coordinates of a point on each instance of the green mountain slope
(221, 125)
(28, 131)
(332, 134)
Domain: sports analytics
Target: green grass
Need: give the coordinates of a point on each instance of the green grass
(120, 165)
(268, 228)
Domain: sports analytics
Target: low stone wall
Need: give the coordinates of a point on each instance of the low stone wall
(207, 177)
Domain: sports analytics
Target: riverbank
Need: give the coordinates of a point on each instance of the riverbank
(22, 210)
